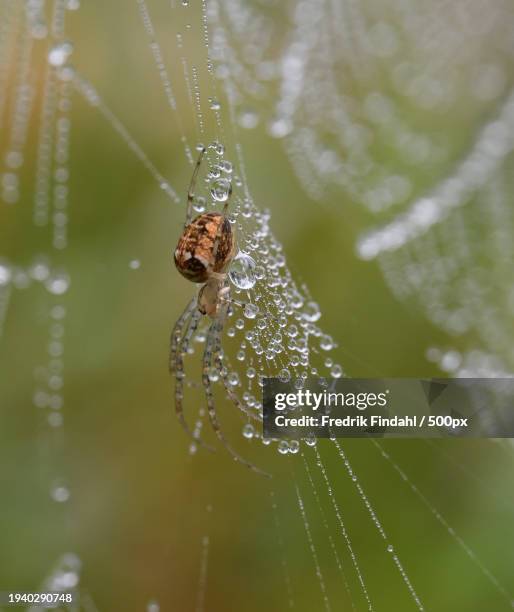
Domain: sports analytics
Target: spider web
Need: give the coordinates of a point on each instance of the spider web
(273, 325)
(387, 102)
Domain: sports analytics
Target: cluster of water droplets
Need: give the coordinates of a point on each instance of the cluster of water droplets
(368, 97)
(272, 328)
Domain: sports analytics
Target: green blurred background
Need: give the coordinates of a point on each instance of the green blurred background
(139, 504)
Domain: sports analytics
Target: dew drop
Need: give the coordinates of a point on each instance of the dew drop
(251, 311)
(294, 447)
(284, 375)
(58, 283)
(5, 273)
(220, 190)
(153, 606)
(390, 548)
(248, 119)
(134, 264)
(248, 431)
(214, 375)
(58, 54)
(233, 379)
(311, 312)
(60, 493)
(283, 447)
(55, 419)
(242, 271)
(279, 128)
(326, 343)
(310, 440)
(336, 371)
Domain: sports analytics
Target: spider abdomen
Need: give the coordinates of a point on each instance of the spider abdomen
(194, 256)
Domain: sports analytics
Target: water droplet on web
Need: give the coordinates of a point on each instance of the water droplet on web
(199, 208)
(5, 273)
(310, 440)
(220, 190)
(284, 376)
(58, 283)
(152, 605)
(39, 270)
(336, 371)
(259, 272)
(55, 419)
(326, 342)
(280, 128)
(242, 271)
(214, 375)
(134, 264)
(248, 431)
(60, 493)
(248, 119)
(214, 172)
(251, 311)
(283, 447)
(294, 447)
(311, 312)
(390, 548)
(250, 373)
(233, 379)
(59, 54)
(214, 104)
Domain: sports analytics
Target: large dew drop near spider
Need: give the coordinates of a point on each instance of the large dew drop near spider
(203, 255)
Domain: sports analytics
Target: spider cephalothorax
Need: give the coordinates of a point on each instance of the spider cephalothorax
(206, 246)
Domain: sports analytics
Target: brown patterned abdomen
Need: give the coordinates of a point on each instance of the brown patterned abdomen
(194, 256)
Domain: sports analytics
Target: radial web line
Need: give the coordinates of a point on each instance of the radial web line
(465, 470)
(283, 561)
(89, 93)
(327, 529)
(202, 579)
(164, 76)
(312, 548)
(378, 525)
(469, 552)
(343, 530)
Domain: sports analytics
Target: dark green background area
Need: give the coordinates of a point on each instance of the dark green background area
(140, 504)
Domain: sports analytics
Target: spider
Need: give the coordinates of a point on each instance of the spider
(203, 255)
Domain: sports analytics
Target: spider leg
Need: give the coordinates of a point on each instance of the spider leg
(218, 360)
(176, 334)
(214, 330)
(191, 190)
(182, 333)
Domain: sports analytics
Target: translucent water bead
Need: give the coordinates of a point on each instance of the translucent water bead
(220, 190)
(59, 53)
(242, 271)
